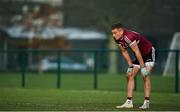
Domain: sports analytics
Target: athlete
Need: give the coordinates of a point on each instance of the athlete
(144, 53)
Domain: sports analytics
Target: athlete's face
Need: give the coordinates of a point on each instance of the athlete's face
(117, 32)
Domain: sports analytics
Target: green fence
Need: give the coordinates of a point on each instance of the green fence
(100, 62)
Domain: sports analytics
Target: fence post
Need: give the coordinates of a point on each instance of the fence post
(95, 69)
(177, 72)
(23, 59)
(58, 69)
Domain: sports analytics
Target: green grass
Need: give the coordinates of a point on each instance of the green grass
(79, 100)
(77, 92)
(84, 82)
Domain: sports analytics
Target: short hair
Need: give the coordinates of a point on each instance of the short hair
(116, 25)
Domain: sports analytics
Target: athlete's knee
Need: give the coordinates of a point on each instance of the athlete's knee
(146, 78)
(130, 76)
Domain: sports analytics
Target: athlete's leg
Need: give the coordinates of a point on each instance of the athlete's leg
(130, 87)
(147, 88)
(147, 82)
(130, 81)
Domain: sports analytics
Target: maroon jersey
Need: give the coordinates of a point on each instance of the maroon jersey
(130, 36)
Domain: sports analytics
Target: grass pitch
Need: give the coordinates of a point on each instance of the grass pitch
(77, 93)
(79, 100)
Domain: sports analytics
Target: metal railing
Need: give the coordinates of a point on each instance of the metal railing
(95, 52)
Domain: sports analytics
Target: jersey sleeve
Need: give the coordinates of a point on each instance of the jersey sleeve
(130, 39)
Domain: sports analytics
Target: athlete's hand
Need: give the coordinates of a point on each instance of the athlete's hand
(130, 70)
(144, 71)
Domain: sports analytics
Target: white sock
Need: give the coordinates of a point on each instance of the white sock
(146, 101)
(129, 101)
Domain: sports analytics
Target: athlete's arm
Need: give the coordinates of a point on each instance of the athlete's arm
(126, 55)
(135, 49)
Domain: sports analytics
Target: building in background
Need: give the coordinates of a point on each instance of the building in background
(40, 24)
(85, 24)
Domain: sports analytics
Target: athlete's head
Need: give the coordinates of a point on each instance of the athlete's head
(117, 30)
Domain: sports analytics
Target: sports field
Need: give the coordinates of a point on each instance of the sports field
(77, 93)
